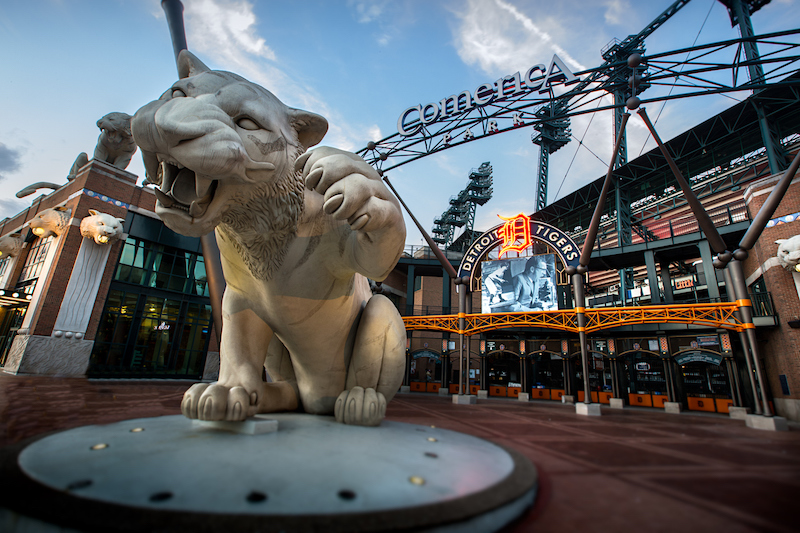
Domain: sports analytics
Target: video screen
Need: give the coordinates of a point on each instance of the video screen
(519, 284)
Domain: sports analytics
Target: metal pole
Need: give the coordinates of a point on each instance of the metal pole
(434, 248)
(612, 366)
(668, 381)
(580, 302)
(732, 383)
(730, 289)
(713, 236)
(173, 9)
(744, 304)
(775, 154)
(594, 225)
(462, 303)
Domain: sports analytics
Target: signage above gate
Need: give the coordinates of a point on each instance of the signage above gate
(413, 118)
(698, 357)
(503, 234)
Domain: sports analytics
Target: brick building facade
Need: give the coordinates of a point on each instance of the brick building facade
(780, 346)
(50, 320)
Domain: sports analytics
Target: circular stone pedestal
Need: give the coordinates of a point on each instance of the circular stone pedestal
(313, 474)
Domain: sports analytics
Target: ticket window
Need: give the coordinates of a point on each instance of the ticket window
(645, 374)
(599, 373)
(700, 379)
(429, 369)
(706, 387)
(549, 373)
(473, 373)
(503, 369)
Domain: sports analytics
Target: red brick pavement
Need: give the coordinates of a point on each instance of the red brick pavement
(628, 470)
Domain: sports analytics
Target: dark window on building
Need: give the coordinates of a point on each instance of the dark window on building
(162, 267)
(758, 286)
(157, 316)
(33, 265)
(145, 335)
(3, 269)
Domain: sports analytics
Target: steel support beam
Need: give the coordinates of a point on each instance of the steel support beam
(708, 270)
(666, 281)
(745, 309)
(775, 153)
(542, 175)
(745, 344)
(411, 281)
(652, 276)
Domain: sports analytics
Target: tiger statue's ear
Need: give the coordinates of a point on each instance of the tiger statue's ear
(189, 65)
(310, 127)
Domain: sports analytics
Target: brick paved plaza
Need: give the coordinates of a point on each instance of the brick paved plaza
(628, 470)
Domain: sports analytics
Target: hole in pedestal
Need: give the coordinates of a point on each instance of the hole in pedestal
(431, 454)
(80, 484)
(161, 496)
(347, 494)
(256, 497)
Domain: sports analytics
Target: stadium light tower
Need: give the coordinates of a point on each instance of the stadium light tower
(461, 213)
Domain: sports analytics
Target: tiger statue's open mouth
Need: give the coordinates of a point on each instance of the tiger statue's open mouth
(182, 188)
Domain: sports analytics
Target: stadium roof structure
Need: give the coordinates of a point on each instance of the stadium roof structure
(711, 148)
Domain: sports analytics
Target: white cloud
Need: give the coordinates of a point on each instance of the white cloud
(374, 133)
(498, 37)
(486, 219)
(229, 27)
(616, 11)
(528, 24)
(225, 32)
(368, 10)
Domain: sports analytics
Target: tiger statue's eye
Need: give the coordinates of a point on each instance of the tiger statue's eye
(177, 93)
(247, 124)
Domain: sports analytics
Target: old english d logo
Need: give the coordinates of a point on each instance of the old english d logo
(515, 234)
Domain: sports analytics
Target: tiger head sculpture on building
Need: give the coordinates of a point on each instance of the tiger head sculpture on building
(11, 245)
(51, 222)
(299, 234)
(789, 252)
(102, 228)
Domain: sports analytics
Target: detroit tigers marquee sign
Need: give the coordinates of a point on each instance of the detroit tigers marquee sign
(518, 233)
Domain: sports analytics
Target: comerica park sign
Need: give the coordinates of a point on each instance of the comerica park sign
(536, 78)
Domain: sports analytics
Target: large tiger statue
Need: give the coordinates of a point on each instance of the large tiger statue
(114, 145)
(299, 235)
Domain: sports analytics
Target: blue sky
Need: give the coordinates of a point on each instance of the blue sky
(66, 63)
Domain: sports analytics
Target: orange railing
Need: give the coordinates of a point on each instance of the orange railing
(713, 315)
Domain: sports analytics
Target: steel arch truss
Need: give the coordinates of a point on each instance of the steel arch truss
(715, 68)
(713, 315)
